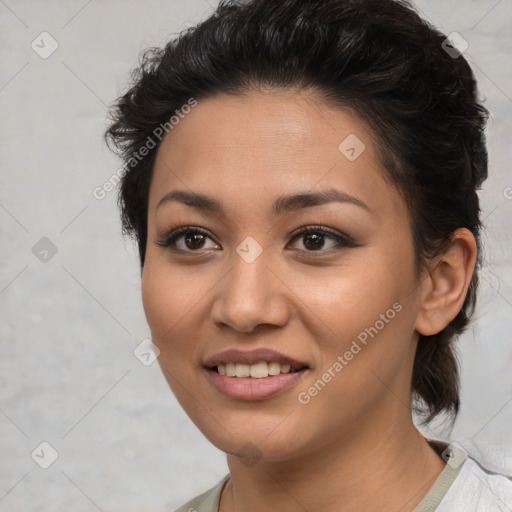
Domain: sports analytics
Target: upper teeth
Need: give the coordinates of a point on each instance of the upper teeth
(257, 371)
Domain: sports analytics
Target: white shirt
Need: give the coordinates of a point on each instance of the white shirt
(464, 485)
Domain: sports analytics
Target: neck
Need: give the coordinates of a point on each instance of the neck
(380, 467)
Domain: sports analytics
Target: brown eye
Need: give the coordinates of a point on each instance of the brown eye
(186, 239)
(194, 240)
(314, 239)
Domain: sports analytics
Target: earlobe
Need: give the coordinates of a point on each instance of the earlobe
(447, 283)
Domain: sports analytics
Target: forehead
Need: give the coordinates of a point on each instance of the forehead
(262, 144)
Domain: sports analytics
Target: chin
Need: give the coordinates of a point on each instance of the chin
(257, 440)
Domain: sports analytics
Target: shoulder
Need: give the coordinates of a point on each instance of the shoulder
(208, 501)
(478, 489)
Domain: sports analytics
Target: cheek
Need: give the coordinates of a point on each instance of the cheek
(362, 330)
(158, 300)
(175, 302)
(361, 312)
(168, 296)
(170, 302)
(345, 300)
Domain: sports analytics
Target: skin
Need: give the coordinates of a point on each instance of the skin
(246, 151)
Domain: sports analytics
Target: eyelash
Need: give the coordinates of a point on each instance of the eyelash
(168, 241)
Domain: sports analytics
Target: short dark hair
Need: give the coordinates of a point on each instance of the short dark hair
(381, 59)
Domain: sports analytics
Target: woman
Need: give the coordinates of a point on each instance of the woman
(301, 179)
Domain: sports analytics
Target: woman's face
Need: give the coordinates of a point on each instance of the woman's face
(341, 303)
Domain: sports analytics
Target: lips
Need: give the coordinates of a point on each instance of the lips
(253, 375)
(253, 357)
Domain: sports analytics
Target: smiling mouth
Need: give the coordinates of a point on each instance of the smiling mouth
(259, 370)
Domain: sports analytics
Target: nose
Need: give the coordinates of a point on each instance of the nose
(251, 295)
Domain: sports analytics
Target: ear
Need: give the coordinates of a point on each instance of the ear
(444, 288)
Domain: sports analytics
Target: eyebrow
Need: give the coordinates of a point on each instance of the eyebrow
(282, 204)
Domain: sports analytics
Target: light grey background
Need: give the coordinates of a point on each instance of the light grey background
(69, 325)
